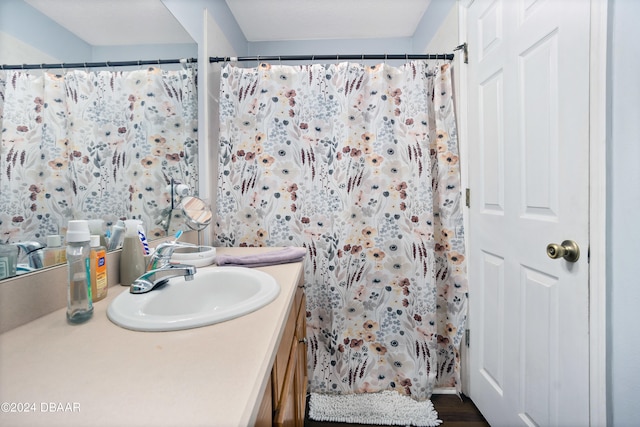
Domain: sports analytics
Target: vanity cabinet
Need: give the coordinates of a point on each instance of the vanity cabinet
(284, 401)
(221, 376)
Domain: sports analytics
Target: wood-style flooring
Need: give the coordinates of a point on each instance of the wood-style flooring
(454, 411)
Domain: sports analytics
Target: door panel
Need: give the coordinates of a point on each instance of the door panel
(528, 81)
(538, 85)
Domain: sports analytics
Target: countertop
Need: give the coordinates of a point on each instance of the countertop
(98, 374)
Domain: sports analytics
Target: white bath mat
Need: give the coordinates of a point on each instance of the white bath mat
(384, 408)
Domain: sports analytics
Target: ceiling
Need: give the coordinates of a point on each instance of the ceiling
(115, 22)
(272, 20)
(133, 22)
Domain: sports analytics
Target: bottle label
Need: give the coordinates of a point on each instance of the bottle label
(87, 266)
(101, 274)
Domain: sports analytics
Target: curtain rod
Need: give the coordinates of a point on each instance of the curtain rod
(446, 56)
(99, 64)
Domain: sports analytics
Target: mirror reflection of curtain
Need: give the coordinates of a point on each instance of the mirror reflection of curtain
(84, 145)
(360, 166)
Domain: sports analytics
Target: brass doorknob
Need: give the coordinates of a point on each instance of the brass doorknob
(568, 250)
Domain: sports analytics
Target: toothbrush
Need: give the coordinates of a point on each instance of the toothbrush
(143, 240)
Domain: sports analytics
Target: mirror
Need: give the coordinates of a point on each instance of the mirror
(114, 156)
(196, 212)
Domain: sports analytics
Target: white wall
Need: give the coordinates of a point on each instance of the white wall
(331, 47)
(20, 21)
(623, 210)
(208, 22)
(15, 51)
(216, 45)
(430, 29)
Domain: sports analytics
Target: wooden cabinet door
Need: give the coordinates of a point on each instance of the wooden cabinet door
(265, 413)
(285, 415)
(290, 369)
(282, 357)
(301, 366)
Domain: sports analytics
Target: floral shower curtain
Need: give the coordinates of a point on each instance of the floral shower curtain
(82, 145)
(360, 166)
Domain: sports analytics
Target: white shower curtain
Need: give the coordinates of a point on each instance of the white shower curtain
(82, 144)
(360, 166)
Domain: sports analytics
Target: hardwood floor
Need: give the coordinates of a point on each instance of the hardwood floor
(454, 411)
(457, 413)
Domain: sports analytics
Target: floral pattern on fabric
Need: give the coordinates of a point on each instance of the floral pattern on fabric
(86, 145)
(360, 166)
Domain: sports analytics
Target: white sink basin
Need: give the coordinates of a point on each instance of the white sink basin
(214, 295)
(198, 256)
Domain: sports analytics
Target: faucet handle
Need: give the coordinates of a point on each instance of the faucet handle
(166, 249)
(163, 252)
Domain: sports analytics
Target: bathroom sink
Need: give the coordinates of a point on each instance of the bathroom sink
(215, 294)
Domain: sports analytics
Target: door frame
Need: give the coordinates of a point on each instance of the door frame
(598, 213)
(597, 196)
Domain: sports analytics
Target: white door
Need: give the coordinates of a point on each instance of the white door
(529, 176)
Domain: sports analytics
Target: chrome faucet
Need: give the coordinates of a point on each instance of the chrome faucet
(160, 269)
(161, 257)
(33, 252)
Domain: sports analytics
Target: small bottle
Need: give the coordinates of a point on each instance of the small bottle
(116, 235)
(96, 226)
(132, 262)
(54, 253)
(79, 306)
(99, 285)
(8, 260)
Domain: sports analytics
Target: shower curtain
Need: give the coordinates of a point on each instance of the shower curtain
(83, 145)
(359, 165)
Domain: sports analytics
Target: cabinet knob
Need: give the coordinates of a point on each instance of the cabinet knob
(303, 340)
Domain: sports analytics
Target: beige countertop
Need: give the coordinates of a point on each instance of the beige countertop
(98, 374)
